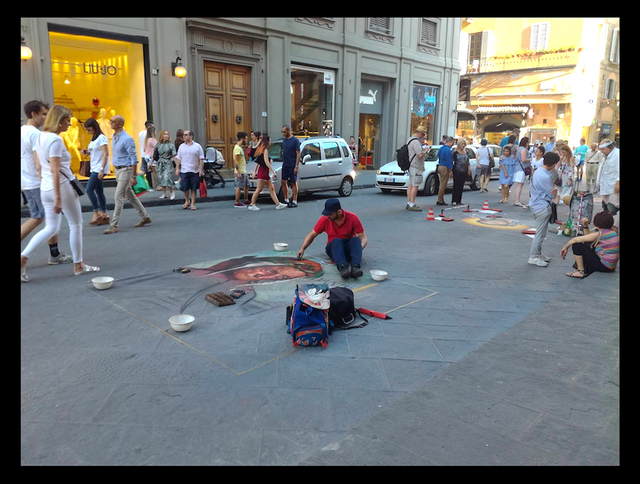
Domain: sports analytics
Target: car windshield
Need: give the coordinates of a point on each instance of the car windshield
(275, 152)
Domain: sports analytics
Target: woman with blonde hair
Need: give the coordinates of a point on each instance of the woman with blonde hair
(461, 170)
(58, 194)
(165, 151)
(261, 157)
(566, 172)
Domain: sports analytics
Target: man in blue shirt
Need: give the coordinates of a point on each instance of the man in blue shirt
(542, 193)
(125, 162)
(505, 141)
(445, 165)
(290, 163)
(550, 145)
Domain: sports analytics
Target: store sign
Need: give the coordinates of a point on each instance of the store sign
(328, 78)
(97, 69)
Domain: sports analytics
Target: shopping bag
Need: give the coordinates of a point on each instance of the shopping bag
(141, 185)
(203, 187)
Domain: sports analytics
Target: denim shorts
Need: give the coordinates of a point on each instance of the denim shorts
(36, 209)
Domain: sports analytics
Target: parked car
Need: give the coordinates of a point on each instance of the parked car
(390, 177)
(326, 164)
(495, 171)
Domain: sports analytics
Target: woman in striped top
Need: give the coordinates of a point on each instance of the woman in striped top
(598, 251)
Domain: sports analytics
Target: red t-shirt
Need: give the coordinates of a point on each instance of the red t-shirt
(347, 230)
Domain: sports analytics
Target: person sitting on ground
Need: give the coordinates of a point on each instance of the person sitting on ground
(597, 251)
(345, 238)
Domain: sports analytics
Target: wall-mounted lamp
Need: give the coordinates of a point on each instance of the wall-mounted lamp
(25, 52)
(177, 69)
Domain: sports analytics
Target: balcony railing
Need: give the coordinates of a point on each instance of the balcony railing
(532, 61)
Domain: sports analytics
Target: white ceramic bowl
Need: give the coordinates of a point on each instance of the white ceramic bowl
(102, 282)
(377, 275)
(280, 246)
(181, 322)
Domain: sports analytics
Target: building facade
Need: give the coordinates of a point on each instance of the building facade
(372, 78)
(546, 76)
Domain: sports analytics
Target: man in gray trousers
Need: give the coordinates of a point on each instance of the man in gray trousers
(543, 192)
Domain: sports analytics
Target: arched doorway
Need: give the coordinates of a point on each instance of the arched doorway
(498, 127)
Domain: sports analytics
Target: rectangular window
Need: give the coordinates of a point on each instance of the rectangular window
(475, 47)
(380, 24)
(424, 104)
(331, 150)
(312, 101)
(97, 78)
(313, 150)
(614, 54)
(539, 39)
(429, 32)
(610, 89)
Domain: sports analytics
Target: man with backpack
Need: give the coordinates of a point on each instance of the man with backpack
(417, 150)
(345, 238)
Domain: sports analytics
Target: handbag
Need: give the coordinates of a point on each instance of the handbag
(203, 187)
(85, 169)
(75, 184)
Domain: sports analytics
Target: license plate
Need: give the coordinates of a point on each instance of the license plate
(389, 180)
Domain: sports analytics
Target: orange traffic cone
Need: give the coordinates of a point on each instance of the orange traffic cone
(430, 215)
(486, 205)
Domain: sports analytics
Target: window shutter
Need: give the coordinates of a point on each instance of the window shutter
(429, 32)
(539, 36)
(380, 24)
(614, 54)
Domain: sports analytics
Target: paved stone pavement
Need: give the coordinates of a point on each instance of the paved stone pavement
(487, 360)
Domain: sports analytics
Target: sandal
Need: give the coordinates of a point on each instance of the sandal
(571, 274)
(186, 206)
(87, 268)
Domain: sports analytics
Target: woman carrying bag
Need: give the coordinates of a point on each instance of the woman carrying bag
(59, 195)
(98, 151)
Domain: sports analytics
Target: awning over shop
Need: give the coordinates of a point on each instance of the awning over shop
(519, 88)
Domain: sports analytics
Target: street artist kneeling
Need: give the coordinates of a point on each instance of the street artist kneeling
(345, 238)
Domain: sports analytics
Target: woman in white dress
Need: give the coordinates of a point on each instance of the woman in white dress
(58, 196)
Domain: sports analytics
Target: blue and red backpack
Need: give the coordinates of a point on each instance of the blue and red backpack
(307, 326)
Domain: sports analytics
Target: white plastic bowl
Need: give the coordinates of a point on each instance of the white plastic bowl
(377, 275)
(181, 322)
(102, 282)
(280, 246)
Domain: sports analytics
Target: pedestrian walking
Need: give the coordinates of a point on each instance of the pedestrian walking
(485, 156)
(165, 152)
(417, 149)
(445, 165)
(609, 174)
(579, 154)
(125, 164)
(346, 238)
(543, 191)
(506, 172)
(98, 151)
(253, 144)
(149, 146)
(592, 160)
(240, 177)
(461, 170)
(58, 194)
(190, 167)
(521, 168)
(597, 251)
(551, 144)
(290, 164)
(36, 112)
(263, 169)
(537, 160)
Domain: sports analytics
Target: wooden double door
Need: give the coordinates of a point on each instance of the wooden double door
(228, 105)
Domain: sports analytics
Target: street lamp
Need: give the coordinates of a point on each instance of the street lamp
(177, 69)
(25, 52)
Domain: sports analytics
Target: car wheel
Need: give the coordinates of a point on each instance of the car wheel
(431, 185)
(346, 187)
(474, 184)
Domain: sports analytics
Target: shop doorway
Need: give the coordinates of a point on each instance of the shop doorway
(369, 142)
(227, 90)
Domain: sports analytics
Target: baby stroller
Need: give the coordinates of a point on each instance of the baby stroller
(212, 163)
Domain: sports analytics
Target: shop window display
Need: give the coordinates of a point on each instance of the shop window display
(424, 104)
(97, 78)
(312, 100)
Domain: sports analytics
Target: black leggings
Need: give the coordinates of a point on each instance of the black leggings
(591, 260)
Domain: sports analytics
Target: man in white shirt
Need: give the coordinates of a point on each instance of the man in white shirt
(189, 167)
(36, 112)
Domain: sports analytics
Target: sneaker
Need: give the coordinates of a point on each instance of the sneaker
(247, 202)
(60, 259)
(536, 261)
(442, 203)
(151, 190)
(544, 258)
(280, 206)
(239, 205)
(356, 271)
(163, 196)
(112, 229)
(344, 271)
(415, 208)
(143, 222)
(292, 204)
(23, 275)
(172, 197)
(253, 208)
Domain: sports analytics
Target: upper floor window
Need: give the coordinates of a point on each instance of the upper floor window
(539, 39)
(429, 32)
(380, 24)
(614, 54)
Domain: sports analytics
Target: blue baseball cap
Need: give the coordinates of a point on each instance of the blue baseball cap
(330, 206)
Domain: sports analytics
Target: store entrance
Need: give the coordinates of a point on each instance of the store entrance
(227, 90)
(369, 142)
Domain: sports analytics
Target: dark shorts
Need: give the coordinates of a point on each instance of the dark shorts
(287, 173)
(189, 181)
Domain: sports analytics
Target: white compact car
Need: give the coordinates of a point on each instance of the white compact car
(326, 164)
(390, 177)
